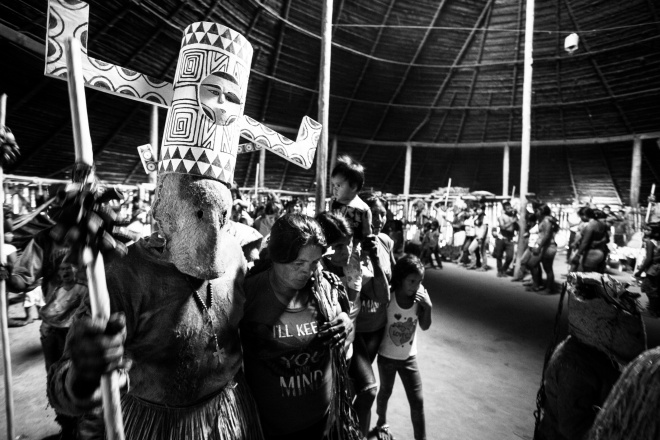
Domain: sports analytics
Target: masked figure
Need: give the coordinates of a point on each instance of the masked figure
(177, 295)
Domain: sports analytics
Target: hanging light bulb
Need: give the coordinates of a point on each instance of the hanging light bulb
(571, 43)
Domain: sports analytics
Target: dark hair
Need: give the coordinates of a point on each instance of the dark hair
(654, 228)
(292, 232)
(589, 212)
(408, 264)
(293, 203)
(272, 207)
(371, 199)
(544, 209)
(428, 225)
(435, 224)
(235, 191)
(352, 171)
(334, 226)
(599, 214)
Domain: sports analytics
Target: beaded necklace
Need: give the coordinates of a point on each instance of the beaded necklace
(206, 309)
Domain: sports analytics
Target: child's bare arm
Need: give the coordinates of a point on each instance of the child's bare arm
(425, 307)
(366, 223)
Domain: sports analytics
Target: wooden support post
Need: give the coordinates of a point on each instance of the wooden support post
(406, 180)
(153, 176)
(333, 154)
(153, 140)
(505, 170)
(261, 175)
(526, 131)
(256, 186)
(323, 106)
(636, 173)
(9, 390)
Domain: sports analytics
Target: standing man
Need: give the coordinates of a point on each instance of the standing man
(504, 233)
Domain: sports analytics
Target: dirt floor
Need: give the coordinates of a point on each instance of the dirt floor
(480, 361)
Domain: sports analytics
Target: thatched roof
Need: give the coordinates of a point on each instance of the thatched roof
(446, 75)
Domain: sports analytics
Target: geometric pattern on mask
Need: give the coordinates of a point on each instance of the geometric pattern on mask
(198, 161)
(192, 143)
(213, 34)
(301, 151)
(70, 18)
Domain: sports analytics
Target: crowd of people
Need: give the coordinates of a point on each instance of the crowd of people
(324, 297)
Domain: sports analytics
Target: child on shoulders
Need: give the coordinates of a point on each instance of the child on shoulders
(347, 179)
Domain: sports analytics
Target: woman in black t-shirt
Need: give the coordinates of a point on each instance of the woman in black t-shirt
(293, 333)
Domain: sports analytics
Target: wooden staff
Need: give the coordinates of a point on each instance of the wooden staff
(447, 195)
(98, 291)
(513, 192)
(9, 391)
(648, 210)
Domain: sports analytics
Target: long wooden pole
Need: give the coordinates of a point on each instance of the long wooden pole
(636, 173)
(98, 292)
(406, 179)
(256, 186)
(526, 129)
(447, 194)
(9, 391)
(648, 209)
(324, 106)
(153, 140)
(261, 170)
(333, 153)
(505, 170)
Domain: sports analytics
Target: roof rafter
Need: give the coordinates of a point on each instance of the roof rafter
(599, 72)
(650, 165)
(485, 130)
(29, 95)
(514, 87)
(108, 140)
(444, 119)
(394, 167)
(558, 72)
(653, 12)
(314, 96)
(567, 155)
(278, 49)
(457, 59)
(365, 66)
(153, 36)
(609, 173)
(475, 73)
(404, 79)
(248, 33)
(63, 124)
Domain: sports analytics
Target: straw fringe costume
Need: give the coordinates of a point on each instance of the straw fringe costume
(182, 386)
(605, 332)
(631, 410)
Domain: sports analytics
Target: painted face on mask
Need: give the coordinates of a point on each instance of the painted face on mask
(219, 97)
